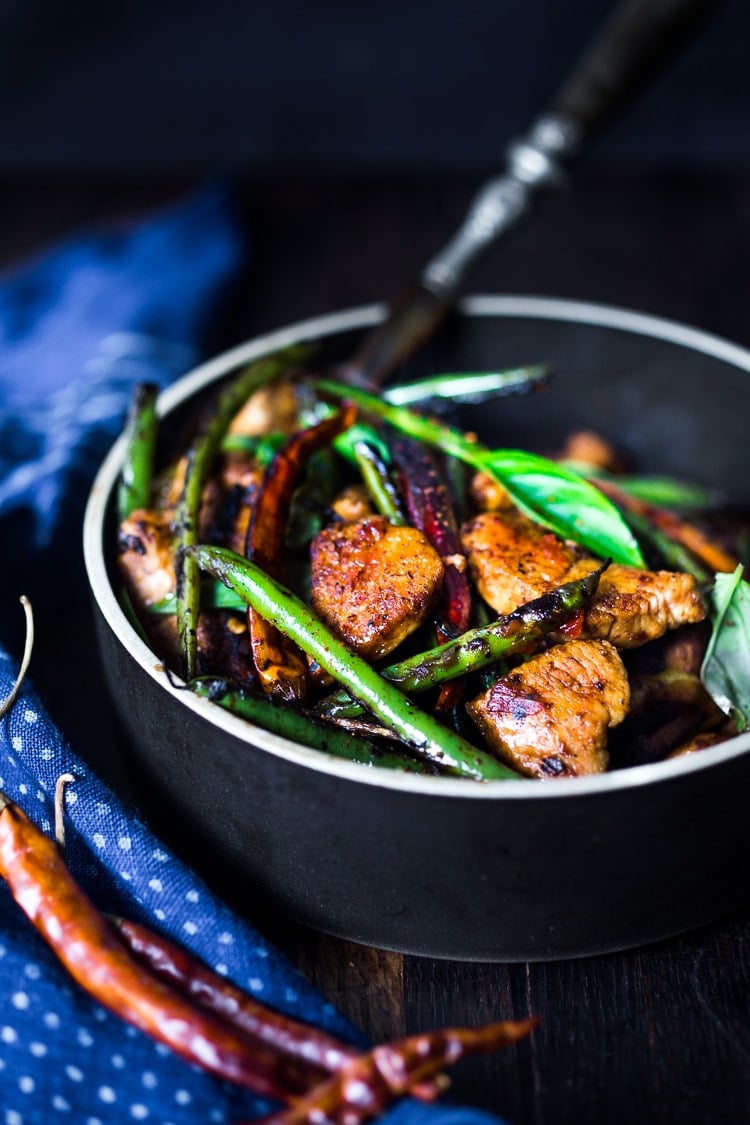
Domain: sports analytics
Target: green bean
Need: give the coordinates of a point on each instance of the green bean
(141, 428)
(421, 732)
(468, 386)
(288, 722)
(378, 483)
(474, 650)
(200, 456)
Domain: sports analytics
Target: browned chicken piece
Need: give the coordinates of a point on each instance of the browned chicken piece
(487, 494)
(145, 556)
(353, 503)
(512, 560)
(228, 501)
(590, 448)
(271, 409)
(374, 583)
(549, 717)
(632, 606)
(145, 562)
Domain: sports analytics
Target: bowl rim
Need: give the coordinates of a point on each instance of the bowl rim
(320, 327)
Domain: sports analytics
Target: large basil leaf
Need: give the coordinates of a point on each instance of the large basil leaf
(564, 502)
(726, 665)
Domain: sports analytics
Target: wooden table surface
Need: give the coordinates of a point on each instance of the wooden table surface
(655, 1035)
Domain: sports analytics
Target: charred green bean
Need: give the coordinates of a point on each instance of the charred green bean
(141, 429)
(199, 458)
(421, 732)
(298, 726)
(508, 636)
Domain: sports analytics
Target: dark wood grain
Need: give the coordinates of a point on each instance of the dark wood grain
(656, 1035)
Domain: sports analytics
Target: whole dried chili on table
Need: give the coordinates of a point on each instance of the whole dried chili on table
(205, 1019)
(96, 958)
(215, 993)
(371, 1083)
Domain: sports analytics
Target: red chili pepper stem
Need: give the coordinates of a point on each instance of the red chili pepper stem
(370, 1084)
(10, 699)
(60, 786)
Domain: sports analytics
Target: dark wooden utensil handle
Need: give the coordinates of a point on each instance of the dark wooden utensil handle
(636, 43)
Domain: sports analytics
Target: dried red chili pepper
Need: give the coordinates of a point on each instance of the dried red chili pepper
(215, 993)
(324, 1053)
(369, 1084)
(282, 668)
(431, 510)
(95, 957)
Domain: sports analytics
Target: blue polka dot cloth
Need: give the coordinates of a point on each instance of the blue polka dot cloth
(78, 327)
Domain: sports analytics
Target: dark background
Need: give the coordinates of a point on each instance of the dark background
(352, 87)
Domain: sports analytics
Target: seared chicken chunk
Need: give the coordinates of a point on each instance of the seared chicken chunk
(271, 409)
(374, 583)
(146, 561)
(145, 556)
(353, 503)
(488, 495)
(631, 606)
(549, 717)
(512, 560)
(589, 448)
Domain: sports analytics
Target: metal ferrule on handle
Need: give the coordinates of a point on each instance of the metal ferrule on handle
(535, 163)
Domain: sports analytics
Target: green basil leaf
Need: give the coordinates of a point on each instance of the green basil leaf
(549, 493)
(726, 666)
(563, 501)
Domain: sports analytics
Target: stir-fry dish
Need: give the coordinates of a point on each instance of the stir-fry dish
(353, 573)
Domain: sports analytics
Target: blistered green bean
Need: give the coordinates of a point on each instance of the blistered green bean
(425, 736)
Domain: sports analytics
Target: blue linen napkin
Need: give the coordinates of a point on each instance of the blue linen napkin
(78, 327)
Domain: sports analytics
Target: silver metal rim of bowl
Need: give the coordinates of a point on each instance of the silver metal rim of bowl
(483, 305)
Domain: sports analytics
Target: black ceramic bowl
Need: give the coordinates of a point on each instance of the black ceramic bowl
(497, 871)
